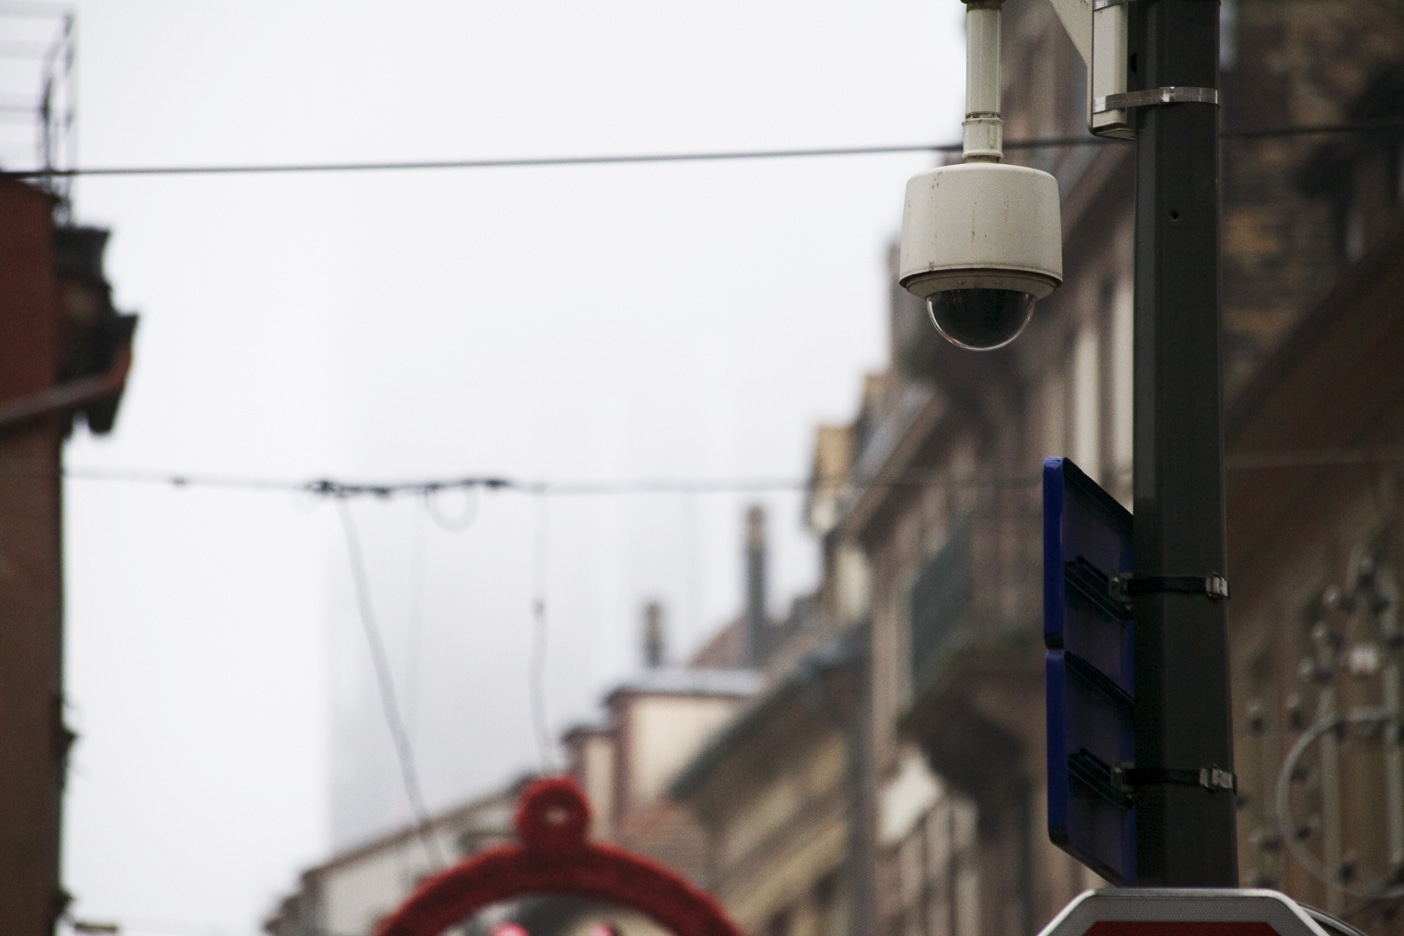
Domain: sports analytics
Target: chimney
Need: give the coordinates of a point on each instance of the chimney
(653, 635)
(755, 584)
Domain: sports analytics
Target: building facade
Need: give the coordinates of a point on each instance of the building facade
(781, 800)
(939, 497)
(64, 356)
(351, 893)
(653, 725)
(1314, 247)
(781, 791)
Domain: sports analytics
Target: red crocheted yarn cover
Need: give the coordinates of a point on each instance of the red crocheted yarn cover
(555, 858)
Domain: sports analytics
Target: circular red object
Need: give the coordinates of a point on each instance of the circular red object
(556, 858)
(553, 816)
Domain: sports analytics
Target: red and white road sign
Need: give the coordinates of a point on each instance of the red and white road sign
(1183, 911)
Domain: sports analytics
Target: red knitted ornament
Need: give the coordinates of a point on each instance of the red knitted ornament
(556, 858)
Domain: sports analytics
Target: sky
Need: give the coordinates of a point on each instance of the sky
(593, 324)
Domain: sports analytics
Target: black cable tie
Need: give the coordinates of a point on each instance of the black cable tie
(1125, 587)
(1127, 777)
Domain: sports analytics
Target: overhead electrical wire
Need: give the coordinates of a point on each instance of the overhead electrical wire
(404, 751)
(340, 490)
(446, 522)
(529, 162)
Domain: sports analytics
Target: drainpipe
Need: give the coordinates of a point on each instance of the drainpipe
(68, 398)
(861, 836)
(756, 630)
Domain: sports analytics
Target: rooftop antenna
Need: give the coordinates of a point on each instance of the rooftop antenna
(48, 107)
(56, 115)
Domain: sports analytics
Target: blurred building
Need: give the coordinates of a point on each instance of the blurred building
(1315, 502)
(351, 893)
(64, 356)
(929, 503)
(1315, 436)
(65, 352)
(779, 793)
(780, 789)
(653, 725)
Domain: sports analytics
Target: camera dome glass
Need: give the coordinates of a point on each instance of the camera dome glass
(980, 319)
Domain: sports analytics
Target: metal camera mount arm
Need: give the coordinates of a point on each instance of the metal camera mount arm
(1100, 29)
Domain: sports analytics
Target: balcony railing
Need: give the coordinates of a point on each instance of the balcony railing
(983, 583)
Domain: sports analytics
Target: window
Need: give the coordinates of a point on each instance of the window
(937, 885)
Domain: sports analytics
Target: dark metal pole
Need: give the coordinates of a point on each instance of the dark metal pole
(1185, 832)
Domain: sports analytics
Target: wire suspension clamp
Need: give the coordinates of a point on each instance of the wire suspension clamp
(1125, 587)
(1103, 4)
(1153, 97)
(1210, 778)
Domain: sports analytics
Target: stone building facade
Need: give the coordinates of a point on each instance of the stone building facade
(65, 353)
(1314, 261)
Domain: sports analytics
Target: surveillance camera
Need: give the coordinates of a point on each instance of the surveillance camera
(981, 243)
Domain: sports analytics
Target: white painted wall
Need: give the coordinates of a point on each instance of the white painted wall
(666, 732)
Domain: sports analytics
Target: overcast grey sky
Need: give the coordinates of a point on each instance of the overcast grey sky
(566, 324)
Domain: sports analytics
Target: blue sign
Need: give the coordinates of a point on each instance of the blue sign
(1090, 686)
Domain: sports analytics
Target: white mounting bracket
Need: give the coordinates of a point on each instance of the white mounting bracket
(1098, 30)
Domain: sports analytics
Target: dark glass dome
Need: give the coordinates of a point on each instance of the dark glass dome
(980, 319)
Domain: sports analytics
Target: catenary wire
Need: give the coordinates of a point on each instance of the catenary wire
(403, 750)
(1357, 127)
(529, 162)
(445, 522)
(326, 487)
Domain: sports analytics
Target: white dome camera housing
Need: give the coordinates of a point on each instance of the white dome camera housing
(981, 243)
